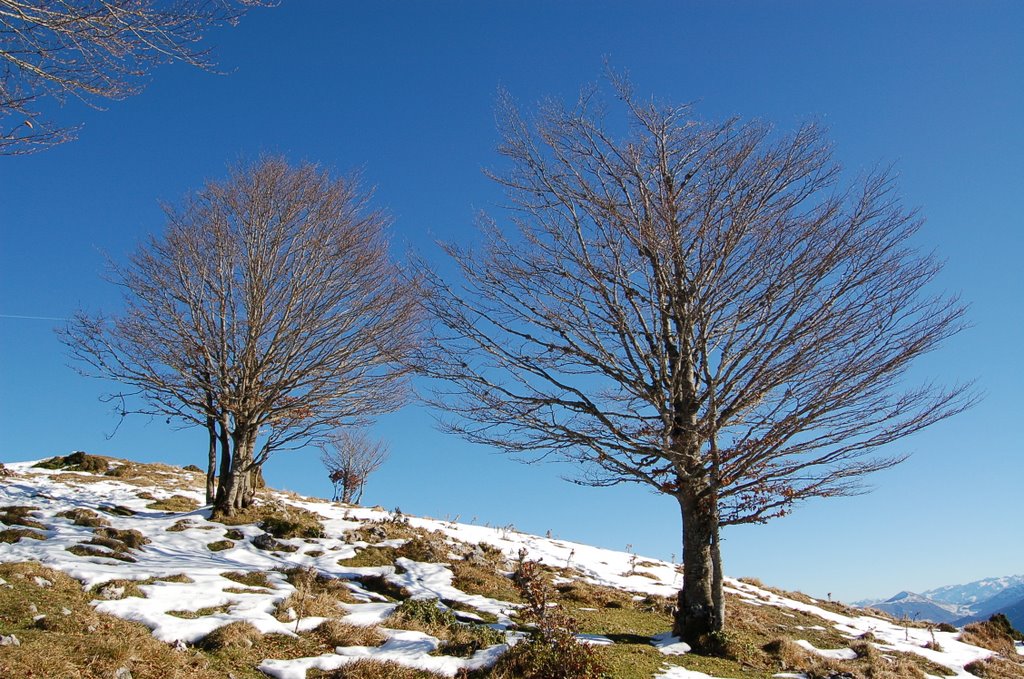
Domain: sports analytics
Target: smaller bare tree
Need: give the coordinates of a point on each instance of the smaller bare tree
(350, 457)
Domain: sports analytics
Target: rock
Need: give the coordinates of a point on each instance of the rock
(123, 673)
(65, 611)
(42, 582)
(179, 645)
(111, 591)
(9, 640)
(33, 609)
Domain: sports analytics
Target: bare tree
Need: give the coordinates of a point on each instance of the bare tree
(92, 50)
(350, 457)
(268, 312)
(695, 307)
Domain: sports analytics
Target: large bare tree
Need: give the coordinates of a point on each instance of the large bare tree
(92, 50)
(269, 312)
(697, 307)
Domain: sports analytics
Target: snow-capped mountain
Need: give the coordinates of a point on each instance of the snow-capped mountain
(960, 604)
(918, 607)
(976, 592)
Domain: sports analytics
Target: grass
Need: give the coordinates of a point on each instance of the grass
(81, 516)
(18, 515)
(199, 612)
(12, 535)
(280, 520)
(372, 669)
(995, 634)
(335, 633)
(249, 579)
(175, 503)
(457, 638)
(220, 545)
(78, 461)
(314, 596)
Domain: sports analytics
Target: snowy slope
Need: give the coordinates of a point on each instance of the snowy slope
(174, 552)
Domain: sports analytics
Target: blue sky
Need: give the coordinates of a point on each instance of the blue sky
(405, 92)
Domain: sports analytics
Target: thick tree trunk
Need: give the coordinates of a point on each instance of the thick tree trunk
(211, 466)
(238, 488)
(225, 464)
(699, 610)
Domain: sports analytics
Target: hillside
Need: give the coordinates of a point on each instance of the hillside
(110, 568)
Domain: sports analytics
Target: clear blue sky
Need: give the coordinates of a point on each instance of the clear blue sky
(405, 91)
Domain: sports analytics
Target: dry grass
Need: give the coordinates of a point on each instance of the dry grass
(175, 503)
(335, 633)
(232, 635)
(457, 638)
(249, 578)
(73, 641)
(372, 669)
(78, 461)
(130, 538)
(12, 535)
(220, 545)
(18, 515)
(485, 580)
(280, 520)
(199, 612)
(315, 596)
(995, 634)
(81, 516)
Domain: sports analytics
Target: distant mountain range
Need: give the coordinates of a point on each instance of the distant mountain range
(960, 604)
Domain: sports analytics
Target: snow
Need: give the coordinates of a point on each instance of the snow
(670, 645)
(185, 552)
(835, 654)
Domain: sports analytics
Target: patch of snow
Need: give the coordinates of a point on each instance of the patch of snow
(670, 645)
(594, 640)
(834, 653)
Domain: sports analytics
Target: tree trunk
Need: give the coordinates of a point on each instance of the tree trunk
(238, 489)
(211, 466)
(225, 464)
(697, 613)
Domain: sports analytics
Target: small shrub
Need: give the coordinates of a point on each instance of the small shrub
(234, 534)
(193, 468)
(77, 461)
(978, 668)
(946, 627)
(552, 650)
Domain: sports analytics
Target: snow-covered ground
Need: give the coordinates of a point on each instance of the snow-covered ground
(185, 551)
